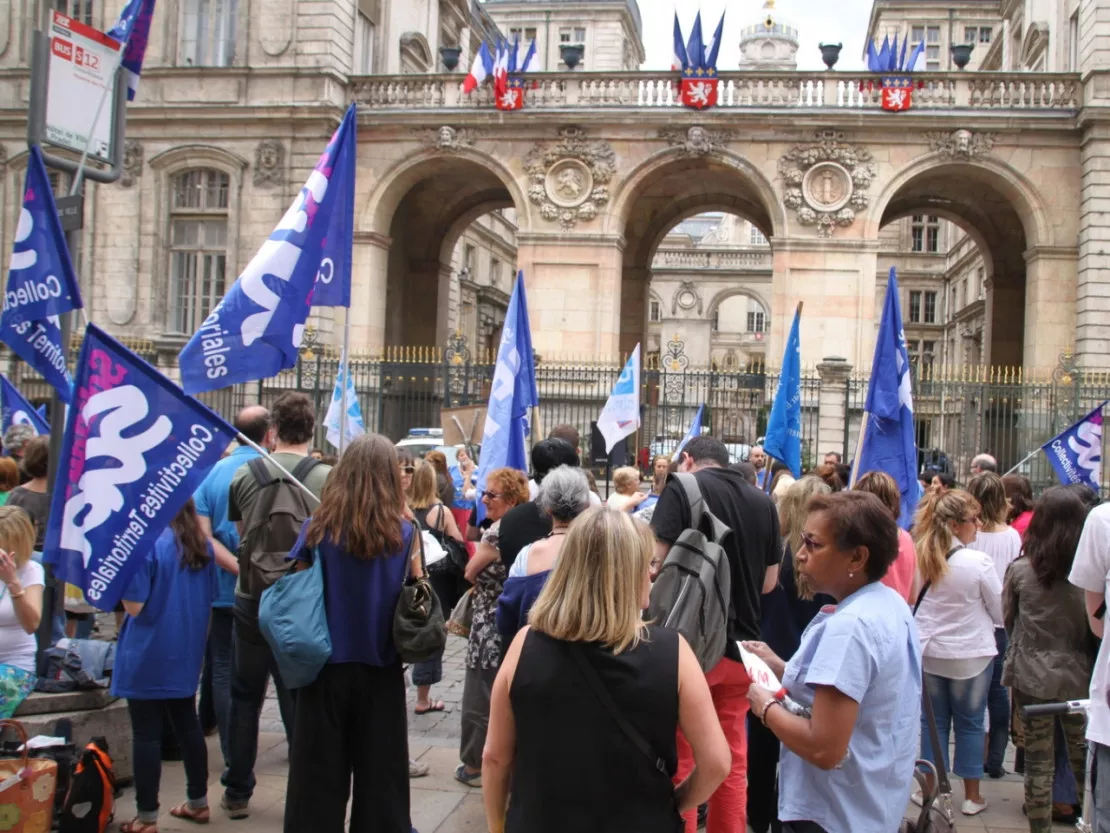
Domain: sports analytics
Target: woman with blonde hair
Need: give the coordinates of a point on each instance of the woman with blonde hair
(505, 488)
(627, 496)
(900, 576)
(786, 612)
(21, 594)
(958, 607)
(589, 674)
(433, 516)
(350, 721)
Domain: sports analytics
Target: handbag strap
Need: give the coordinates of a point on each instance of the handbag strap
(416, 530)
(602, 693)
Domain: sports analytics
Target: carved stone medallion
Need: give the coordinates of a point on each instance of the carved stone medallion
(268, 159)
(961, 144)
(825, 182)
(686, 298)
(696, 140)
(448, 138)
(132, 163)
(570, 179)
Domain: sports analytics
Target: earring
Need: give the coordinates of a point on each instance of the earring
(850, 574)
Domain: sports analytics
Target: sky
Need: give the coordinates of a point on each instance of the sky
(817, 21)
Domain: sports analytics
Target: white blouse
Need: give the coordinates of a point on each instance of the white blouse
(959, 613)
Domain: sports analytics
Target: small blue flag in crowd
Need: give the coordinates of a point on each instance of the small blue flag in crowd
(16, 410)
(784, 428)
(255, 332)
(135, 449)
(333, 420)
(1076, 454)
(41, 282)
(621, 414)
(132, 30)
(512, 395)
(695, 431)
(887, 441)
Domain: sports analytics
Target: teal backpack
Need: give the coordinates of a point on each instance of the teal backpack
(293, 620)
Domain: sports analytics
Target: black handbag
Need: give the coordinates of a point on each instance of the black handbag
(419, 632)
(454, 564)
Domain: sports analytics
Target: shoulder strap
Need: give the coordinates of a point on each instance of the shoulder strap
(303, 467)
(261, 471)
(928, 584)
(934, 741)
(692, 492)
(602, 694)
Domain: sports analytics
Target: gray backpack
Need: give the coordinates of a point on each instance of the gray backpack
(693, 590)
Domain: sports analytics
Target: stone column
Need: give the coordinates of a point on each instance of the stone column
(1050, 277)
(832, 404)
(1092, 338)
(369, 274)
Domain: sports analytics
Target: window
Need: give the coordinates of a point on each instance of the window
(494, 272)
(756, 238)
(980, 283)
(965, 298)
(655, 311)
(572, 35)
(208, 32)
(928, 353)
(925, 233)
(756, 321)
(915, 307)
(526, 35)
(198, 247)
(364, 45)
(930, 308)
(932, 48)
(932, 34)
(917, 34)
(971, 34)
(985, 34)
(1073, 43)
(469, 253)
(81, 10)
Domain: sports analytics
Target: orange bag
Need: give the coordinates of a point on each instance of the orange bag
(26, 789)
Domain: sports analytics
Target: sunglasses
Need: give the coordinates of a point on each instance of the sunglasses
(408, 469)
(492, 496)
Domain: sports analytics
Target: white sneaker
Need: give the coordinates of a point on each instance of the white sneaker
(973, 808)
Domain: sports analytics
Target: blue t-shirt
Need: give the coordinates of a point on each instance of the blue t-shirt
(457, 478)
(360, 596)
(865, 648)
(211, 497)
(161, 650)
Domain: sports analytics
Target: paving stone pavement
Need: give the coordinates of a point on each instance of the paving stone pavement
(439, 803)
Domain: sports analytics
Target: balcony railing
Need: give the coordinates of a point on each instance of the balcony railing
(1024, 91)
(759, 259)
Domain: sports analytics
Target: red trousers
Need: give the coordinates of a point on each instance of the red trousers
(462, 517)
(728, 807)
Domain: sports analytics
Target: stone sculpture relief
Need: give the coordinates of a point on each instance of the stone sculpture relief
(825, 182)
(132, 163)
(696, 140)
(448, 138)
(686, 297)
(269, 158)
(570, 179)
(961, 144)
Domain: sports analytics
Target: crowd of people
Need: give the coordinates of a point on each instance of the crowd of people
(991, 601)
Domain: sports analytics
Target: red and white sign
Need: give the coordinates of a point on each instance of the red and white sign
(897, 94)
(83, 61)
(510, 94)
(698, 93)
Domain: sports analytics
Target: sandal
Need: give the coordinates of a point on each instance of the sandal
(184, 811)
(434, 706)
(138, 826)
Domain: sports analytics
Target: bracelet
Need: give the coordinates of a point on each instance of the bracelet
(763, 714)
(18, 595)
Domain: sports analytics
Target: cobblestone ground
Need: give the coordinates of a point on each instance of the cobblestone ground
(439, 803)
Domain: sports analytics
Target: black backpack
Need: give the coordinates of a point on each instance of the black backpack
(90, 798)
(693, 590)
(273, 525)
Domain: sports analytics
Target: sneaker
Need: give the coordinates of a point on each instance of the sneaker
(972, 808)
(235, 809)
(464, 777)
(417, 769)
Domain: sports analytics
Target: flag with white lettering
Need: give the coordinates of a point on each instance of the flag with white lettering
(39, 343)
(135, 449)
(16, 410)
(1076, 454)
(255, 331)
(333, 278)
(41, 280)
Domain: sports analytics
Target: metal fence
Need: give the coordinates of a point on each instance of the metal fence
(979, 410)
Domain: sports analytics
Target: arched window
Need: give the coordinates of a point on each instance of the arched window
(199, 204)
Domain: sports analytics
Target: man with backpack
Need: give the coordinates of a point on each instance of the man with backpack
(269, 509)
(742, 521)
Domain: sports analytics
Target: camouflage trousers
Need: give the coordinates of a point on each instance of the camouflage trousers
(1040, 756)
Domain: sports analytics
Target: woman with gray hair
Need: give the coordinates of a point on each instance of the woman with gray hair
(564, 495)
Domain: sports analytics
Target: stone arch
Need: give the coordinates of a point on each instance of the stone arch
(667, 188)
(420, 208)
(416, 53)
(1004, 215)
(731, 292)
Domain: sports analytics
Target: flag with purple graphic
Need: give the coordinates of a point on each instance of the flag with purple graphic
(1076, 454)
(16, 410)
(135, 449)
(132, 30)
(255, 332)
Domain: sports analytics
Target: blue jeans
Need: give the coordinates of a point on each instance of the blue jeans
(147, 718)
(219, 651)
(958, 705)
(998, 707)
(252, 664)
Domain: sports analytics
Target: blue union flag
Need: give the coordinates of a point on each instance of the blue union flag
(135, 450)
(1076, 454)
(16, 410)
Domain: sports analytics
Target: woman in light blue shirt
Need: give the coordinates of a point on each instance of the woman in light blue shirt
(847, 765)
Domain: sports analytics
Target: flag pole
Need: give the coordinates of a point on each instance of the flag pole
(1028, 456)
(346, 365)
(859, 447)
(245, 440)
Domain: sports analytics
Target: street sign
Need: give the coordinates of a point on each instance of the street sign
(71, 211)
(82, 64)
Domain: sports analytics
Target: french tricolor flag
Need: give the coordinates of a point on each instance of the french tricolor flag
(679, 62)
(480, 70)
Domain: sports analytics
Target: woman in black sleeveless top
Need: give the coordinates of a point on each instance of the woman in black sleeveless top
(572, 765)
